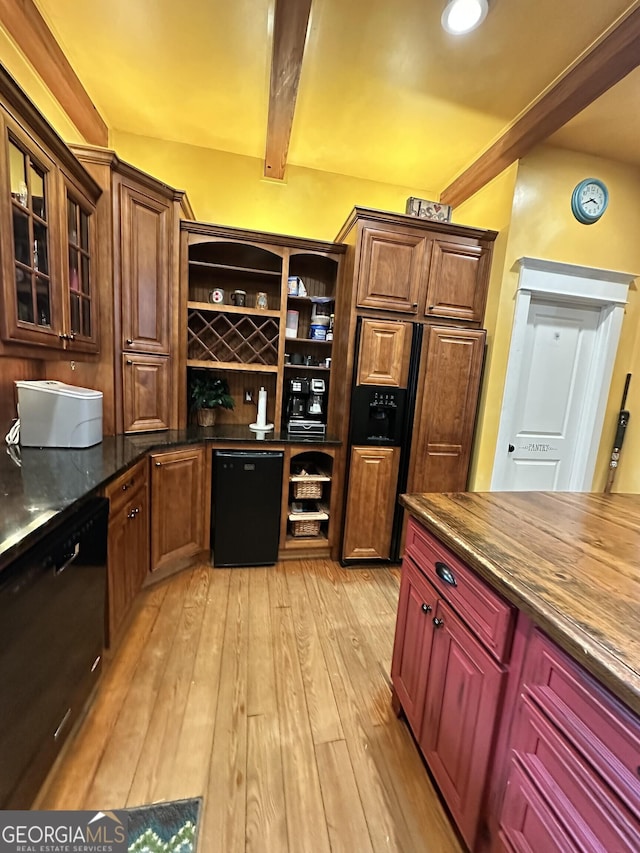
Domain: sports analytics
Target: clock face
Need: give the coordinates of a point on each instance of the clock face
(589, 200)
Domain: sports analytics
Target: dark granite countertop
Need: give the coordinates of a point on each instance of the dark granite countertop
(39, 487)
(570, 561)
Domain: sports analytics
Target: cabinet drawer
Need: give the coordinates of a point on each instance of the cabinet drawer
(588, 810)
(605, 732)
(527, 823)
(120, 490)
(488, 616)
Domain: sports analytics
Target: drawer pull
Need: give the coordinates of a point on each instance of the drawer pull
(426, 608)
(438, 623)
(444, 573)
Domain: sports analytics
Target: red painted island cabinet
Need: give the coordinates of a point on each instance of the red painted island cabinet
(530, 752)
(453, 636)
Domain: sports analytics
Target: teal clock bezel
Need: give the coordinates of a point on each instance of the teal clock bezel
(576, 207)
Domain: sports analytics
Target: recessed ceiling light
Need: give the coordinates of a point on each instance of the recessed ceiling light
(462, 16)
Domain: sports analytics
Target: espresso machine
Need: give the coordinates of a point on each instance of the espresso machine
(306, 408)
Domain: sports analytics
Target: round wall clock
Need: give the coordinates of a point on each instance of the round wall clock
(589, 200)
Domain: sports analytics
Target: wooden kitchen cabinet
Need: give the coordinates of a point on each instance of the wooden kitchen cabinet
(568, 735)
(448, 671)
(47, 238)
(128, 554)
(180, 506)
(139, 245)
(463, 689)
(385, 347)
(412, 645)
(146, 386)
(457, 281)
(145, 269)
(370, 502)
(447, 400)
(392, 270)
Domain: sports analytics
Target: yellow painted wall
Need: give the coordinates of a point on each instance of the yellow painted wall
(28, 80)
(229, 189)
(542, 226)
(491, 207)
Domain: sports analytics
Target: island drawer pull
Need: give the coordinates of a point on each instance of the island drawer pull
(444, 573)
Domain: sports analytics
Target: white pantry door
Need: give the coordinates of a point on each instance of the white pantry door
(557, 359)
(564, 339)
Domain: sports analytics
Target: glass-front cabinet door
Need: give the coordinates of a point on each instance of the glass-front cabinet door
(80, 296)
(31, 298)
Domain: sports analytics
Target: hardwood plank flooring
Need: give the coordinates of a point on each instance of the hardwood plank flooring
(266, 692)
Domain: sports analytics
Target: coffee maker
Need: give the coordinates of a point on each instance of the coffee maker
(305, 409)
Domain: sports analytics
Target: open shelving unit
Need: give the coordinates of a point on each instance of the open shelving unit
(246, 344)
(308, 500)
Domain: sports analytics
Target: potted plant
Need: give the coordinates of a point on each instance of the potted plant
(208, 392)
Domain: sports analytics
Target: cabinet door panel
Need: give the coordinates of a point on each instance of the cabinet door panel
(128, 561)
(146, 392)
(580, 800)
(457, 282)
(146, 293)
(79, 271)
(32, 303)
(460, 712)
(178, 509)
(412, 645)
(527, 824)
(371, 500)
(385, 348)
(448, 388)
(391, 272)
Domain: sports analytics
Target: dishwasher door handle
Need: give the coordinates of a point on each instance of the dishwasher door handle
(68, 559)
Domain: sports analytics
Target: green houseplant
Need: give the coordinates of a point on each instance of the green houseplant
(208, 392)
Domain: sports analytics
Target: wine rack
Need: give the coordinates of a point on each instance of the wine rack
(227, 337)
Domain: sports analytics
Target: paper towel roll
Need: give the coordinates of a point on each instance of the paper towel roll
(261, 420)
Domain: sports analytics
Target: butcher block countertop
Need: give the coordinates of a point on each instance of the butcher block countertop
(570, 561)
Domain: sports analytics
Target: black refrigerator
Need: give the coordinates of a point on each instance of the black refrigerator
(411, 432)
(245, 508)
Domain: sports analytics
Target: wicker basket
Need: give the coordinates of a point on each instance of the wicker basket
(307, 490)
(308, 527)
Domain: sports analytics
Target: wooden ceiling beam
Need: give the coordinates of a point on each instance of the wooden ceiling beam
(290, 23)
(603, 65)
(24, 23)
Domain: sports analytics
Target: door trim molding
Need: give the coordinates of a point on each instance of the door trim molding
(577, 285)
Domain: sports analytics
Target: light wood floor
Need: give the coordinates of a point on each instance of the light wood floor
(267, 692)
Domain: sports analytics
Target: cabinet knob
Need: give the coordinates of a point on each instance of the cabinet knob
(415, 304)
(158, 464)
(129, 361)
(438, 623)
(426, 608)
(129, 341)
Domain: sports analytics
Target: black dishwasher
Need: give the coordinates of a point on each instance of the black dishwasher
(245, 509)
(52, 616)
